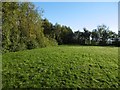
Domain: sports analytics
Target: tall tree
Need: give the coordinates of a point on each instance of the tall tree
(95, 37)
(103, 34)
(10, 34)
(22, 27)
(87, 36)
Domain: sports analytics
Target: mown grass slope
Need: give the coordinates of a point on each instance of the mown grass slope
(62, 66)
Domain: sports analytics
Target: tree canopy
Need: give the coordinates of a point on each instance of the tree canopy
(23, 28)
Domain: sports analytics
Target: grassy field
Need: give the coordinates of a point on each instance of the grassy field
(62, 66)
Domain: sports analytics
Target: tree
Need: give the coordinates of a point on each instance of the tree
(87, 36)
(66, 34)
(22, 27)
(103, 34)
(47, 26)
(79, 37)
(10, 34)
(57, 31)
(95, 37)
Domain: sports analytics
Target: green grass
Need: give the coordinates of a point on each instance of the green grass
(62, 66)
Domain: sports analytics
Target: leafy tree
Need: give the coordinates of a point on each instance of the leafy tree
(79, 38)
(47, 26)
(10, 34)
(66, 34)
(103, 34)
(95, 37)
(22, 27)
(57, 30)
(86, 36)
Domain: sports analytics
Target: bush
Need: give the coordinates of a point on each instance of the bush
(32, 44)
(50, 42)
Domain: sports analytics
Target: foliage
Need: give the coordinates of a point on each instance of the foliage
(100, 36)
(22, 27)
(62, 34)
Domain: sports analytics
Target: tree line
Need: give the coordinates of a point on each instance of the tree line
(64, 35)
(23, 28)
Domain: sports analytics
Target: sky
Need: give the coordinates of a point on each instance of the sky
(78, 15)
(65, 0)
